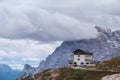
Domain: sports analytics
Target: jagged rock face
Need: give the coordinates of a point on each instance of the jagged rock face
(6, 73)
(27, 71)
(105, 46)
(27, 67)
(112, 77)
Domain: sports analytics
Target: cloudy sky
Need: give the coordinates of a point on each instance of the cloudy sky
(30, 30)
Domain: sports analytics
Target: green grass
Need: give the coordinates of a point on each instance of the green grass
(112, 64)
(71, 74)
(77, 74)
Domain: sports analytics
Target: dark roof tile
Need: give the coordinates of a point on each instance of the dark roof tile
(79, 51)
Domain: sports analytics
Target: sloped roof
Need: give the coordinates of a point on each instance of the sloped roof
(81, 52)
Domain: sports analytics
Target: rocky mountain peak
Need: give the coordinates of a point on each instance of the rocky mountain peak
(103, 30)
(103, 33)
(27, 71)
(116, 34)
(27, 67)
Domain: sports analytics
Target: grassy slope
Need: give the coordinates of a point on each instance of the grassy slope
(112, 64)
(73, 74)
(70, 74)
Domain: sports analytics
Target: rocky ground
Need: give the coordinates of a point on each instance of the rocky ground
(112, 77)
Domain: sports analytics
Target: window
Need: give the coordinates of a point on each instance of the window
(82, 62)
(75, 63)
(87, 63)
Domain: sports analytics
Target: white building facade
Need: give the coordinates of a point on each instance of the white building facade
(81, 58)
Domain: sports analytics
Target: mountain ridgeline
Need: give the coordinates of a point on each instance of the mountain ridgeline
(6, 73)
(105, 46)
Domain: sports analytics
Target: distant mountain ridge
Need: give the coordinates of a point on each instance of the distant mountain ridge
(27, 71)
(6, 73)
(105, 46)
(4, 67)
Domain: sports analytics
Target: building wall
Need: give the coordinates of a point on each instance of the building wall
(85, 59)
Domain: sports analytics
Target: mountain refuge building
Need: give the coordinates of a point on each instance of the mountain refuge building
(81, 58)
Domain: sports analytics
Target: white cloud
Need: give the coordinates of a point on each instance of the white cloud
(16, 66)
(30, 59)
(14, 52)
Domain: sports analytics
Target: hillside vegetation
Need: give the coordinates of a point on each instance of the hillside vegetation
(112, 64)
(68, 74)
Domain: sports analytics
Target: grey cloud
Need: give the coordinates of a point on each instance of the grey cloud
(104, 12)
(51, 20)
